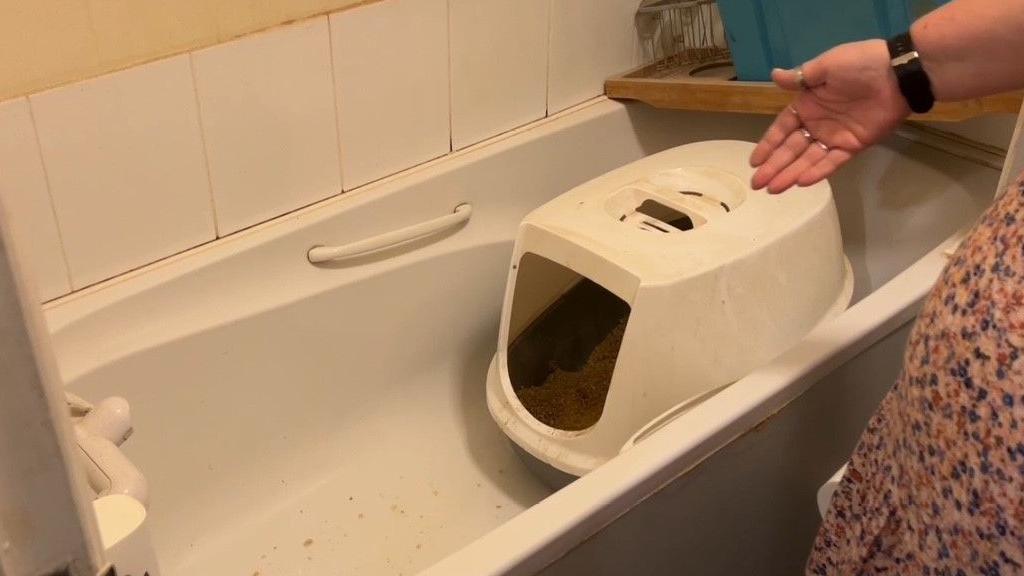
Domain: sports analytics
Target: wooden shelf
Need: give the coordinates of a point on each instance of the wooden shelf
(677, 89)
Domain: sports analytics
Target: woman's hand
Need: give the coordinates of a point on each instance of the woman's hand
(851, 101)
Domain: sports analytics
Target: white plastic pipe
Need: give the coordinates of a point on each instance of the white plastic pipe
(828, 490)
(110, 419)
(108, 470)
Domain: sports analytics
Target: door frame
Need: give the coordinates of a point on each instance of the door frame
(47, 526)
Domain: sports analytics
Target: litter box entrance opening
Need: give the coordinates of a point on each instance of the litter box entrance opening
(565, 332)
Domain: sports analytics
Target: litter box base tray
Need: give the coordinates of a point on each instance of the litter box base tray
(548, 475)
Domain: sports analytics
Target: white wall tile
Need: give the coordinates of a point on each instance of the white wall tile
(391, 78)
(125, 162)
(26, 200)
(589, 42)
(267, 108)
(499, 54)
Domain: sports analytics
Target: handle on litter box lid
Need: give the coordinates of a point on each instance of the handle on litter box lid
(319, 254)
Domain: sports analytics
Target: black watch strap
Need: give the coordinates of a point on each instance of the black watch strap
(913, 80)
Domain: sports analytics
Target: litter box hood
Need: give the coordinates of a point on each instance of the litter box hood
(633, 296)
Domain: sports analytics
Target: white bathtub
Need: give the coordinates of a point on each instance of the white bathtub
(294, 419)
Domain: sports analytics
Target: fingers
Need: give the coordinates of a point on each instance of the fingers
(789, 175)
(785, 123)
(813, 73)
(824, 167)
(787, 79)
(791, 149)
(786, 154)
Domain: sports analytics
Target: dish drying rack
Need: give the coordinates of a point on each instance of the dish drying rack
(686, 66)
(682, 39)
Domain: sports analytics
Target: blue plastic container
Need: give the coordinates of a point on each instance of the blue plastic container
(766, 34)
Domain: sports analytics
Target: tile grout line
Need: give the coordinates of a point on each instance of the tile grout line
(49, 196)
(547, 68)
(129, 273)
(337, 105)
(202, 137)
(451, 76)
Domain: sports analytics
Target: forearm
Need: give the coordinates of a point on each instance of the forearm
(972, 48)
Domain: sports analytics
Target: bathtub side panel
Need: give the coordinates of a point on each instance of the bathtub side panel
(756, 495)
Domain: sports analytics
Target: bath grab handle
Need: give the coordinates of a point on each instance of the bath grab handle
(318, 254)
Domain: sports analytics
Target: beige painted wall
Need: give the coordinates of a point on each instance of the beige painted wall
(46, 43)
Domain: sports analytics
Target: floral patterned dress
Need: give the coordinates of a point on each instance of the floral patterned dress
(936, 485)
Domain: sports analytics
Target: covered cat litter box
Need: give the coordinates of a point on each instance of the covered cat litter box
(636, 295)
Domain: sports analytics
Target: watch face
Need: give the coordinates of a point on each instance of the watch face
(899, 45)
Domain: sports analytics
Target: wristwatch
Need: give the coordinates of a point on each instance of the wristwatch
(913, 80)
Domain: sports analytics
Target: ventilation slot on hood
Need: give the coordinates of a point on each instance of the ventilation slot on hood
(666, 214)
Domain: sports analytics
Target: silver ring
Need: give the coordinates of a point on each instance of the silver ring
(822, 145)
(807, 134)
(800, 78)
